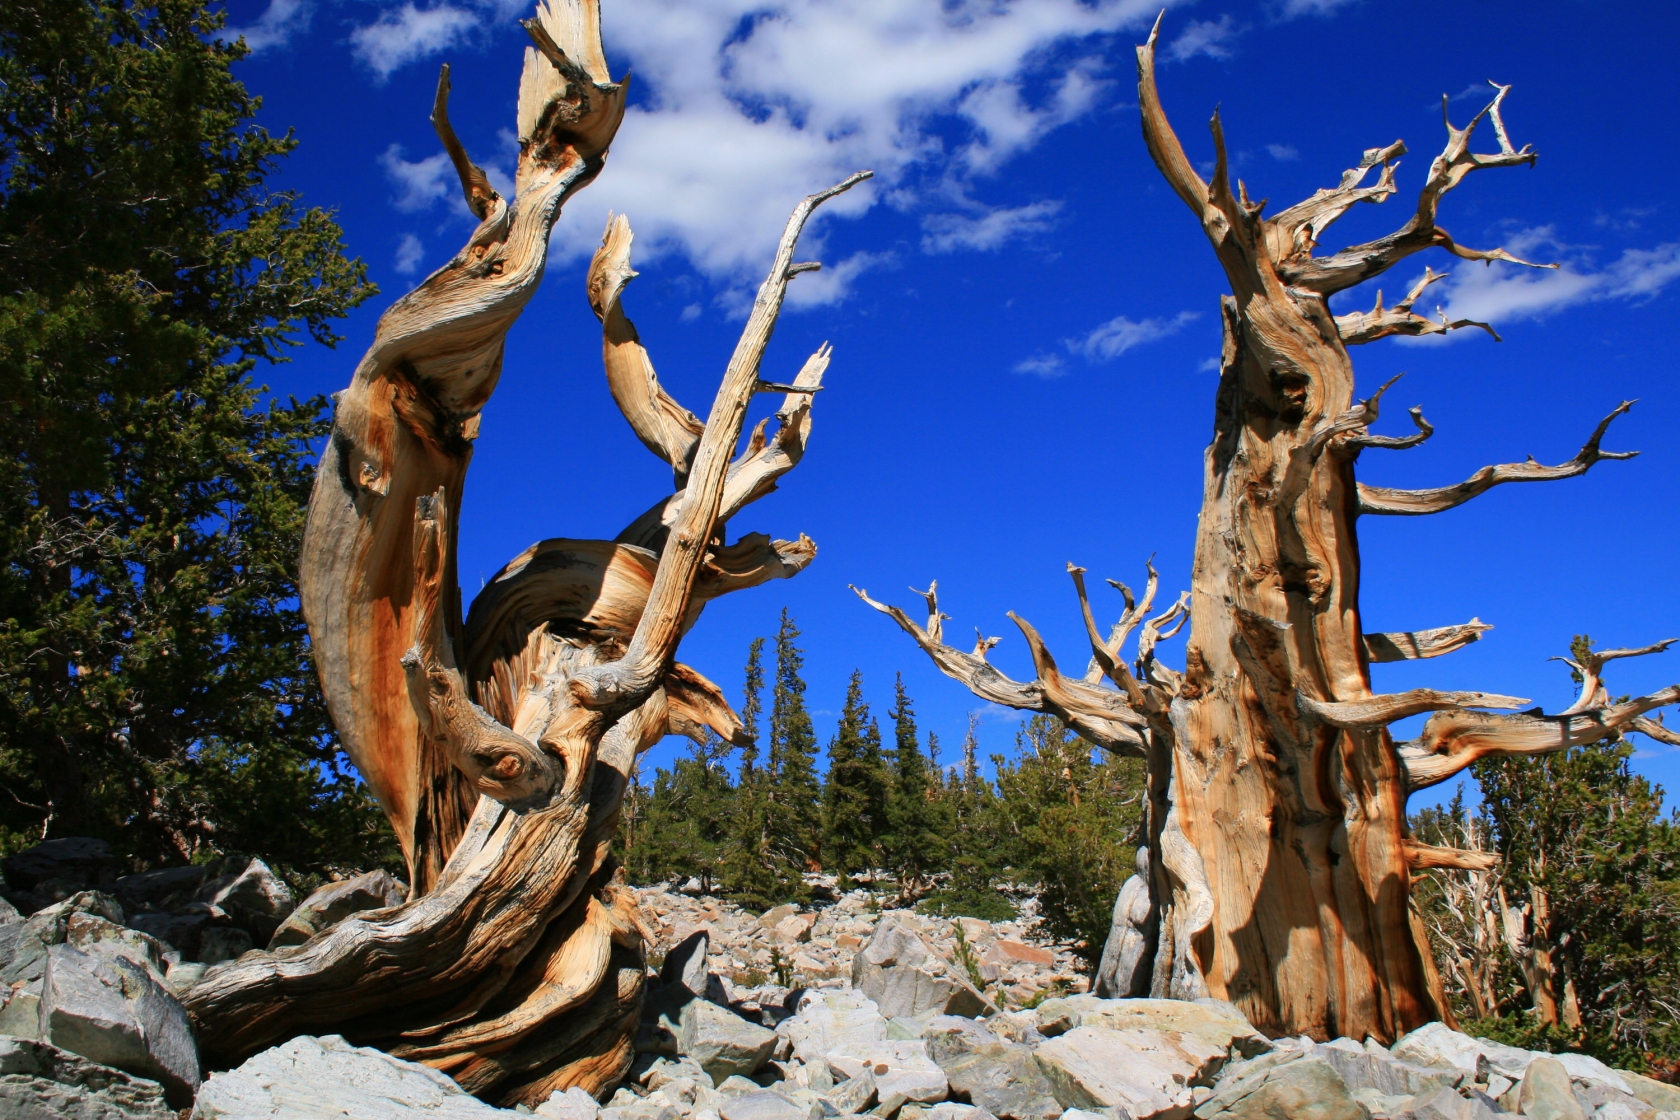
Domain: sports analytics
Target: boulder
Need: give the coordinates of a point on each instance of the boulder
(1382, 1106)
(1373, 1067)
(990, 1072)
(573, 1104)
(721, 1042)
(1658, 1094)
(168, 888)
(1446, 1104)
(901, 1068)
(20, 1010)
(853, 1095)
(768, 1104)
(951, 1110)
(114, 1012)
(1546, 1094)
(78, 860)
(829, 1020)
(1214, 1021)
(39, 1081)
(223, 943)
(905, 977)
(1286, 1084)
(685, 964)
(250, 896)
(1436, 1044)
(329, 904)
(1602, 1100)
(47, 927)
(1147, 1073)
(1586, 1070)
(104, 938)
(328, 1079)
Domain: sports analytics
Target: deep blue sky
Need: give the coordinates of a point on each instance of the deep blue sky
(1023, 314)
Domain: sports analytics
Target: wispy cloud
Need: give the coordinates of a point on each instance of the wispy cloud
(279, 23)
(1283, 153)
(946, 233)
(419, 184)
(1295, 9)
(1215, 38)
(407, 34)
(1106, 342)
(409, 254)
(1502, 293)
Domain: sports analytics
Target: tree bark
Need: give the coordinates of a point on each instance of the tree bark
(1278, 856)
(500, 747)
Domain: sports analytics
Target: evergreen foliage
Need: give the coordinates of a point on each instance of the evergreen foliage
(855, 794)
(917, 816)
(159, 692)
(795, 794)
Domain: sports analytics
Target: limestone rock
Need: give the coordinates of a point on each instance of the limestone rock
(41, 1082)
(1148, 1073)
(854, 1094)
(1373, 1067)
(328, 1079)
(1283, 1084)
(114, 1012)
(1601, 1100)
(902, 1068)
(104, 938)
(573, 1104)
(252, 897)
(20, 1010)
(904, 976)
(990, 1072)
(329, 904)
(1659, 1095)
(686, 964)
(1586, 1070)
(46, 928)
(767, 1104)
(720, 1041)
(830, 1020)
(1436, 1044)
(1445, 1104)
(1214, 1021)
(1546, 1094)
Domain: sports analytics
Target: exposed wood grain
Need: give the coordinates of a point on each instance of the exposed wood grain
(1410, 645)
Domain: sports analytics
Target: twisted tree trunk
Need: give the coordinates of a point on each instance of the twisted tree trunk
(500, 747)
(1277, 861)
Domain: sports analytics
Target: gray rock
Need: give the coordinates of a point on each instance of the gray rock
(1615, 1110)
(1147, 1073)
(1373, 1067)
(1586, 1070)
(989, 1072)
(20, 1010)
(222, 943)
(1283, 1085)
(768, 1104)
(1215, 1021)
(328, 1079)
(41, 1082)
(115, 1012)
(1058, 1016)
(829, 1020)
(167, 888)
(47, 927)
(252, 897)
(104, 938)
(573, 1104)
(8, 914)
(685, 965)
(907, 1027)
(951, 1110)
(734, 1086)
(1382, 1106)
(1446, 1104)
(180, 929)
(332, 903)
(1659, 1095)
(905, 977)
(72, 859)
(1601, 1100)
(720, 1041)
(901, 1068)
(853, 1095)
(1545, 1092)
(1436, 1044)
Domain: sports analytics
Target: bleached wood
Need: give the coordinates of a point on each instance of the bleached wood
(1411, 645)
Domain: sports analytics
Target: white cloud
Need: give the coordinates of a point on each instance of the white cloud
(280, 21)
(946, 233)
(409, 254)
(832, 283)
(421, 183)
(1121, 334)
(690, 313)
(408, 34)
(1502, 293)
(1043, 365)
(1208, 365)
(1295, 9)
(755, 105)
(1212, 37)
(1283, 153)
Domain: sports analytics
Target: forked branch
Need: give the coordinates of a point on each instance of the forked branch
(1390, 502)
(1410, 645)
(1380, 322)
(1380, 711)
(1100, 715)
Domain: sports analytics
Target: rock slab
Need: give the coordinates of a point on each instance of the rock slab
(1283, 1085)
(905, 977)
(329, 1079)
(1148, 1074)
(41, 1082)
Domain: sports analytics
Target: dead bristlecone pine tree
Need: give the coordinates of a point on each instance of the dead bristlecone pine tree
(499, 745)
(1277, 866)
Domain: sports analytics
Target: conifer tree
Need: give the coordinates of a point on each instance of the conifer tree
(795, 818)
(914, 842)
(975, 865)
(855, 796)
(752, 869)
(687, 819)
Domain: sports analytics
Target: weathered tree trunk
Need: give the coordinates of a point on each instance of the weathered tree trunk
(500, 748)
(1278, 856)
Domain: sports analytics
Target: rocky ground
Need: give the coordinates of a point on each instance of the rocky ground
(842, 1010)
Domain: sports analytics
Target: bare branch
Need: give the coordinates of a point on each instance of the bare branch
(475, 184)
(1295, 232)
(665, 427)
(626, 682)
(1367, 326)
(1656, 729)
(1452, 741)
(1422, 857)
(750, 561)
(1158, 133)
(694, 703)
(1591, 669)
(1389, 502)
(1100, 715)
(1412, 645)
(1358, 263)
(1380, 711)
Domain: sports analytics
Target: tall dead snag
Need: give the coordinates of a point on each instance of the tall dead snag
(500, 746)
(1277, 864)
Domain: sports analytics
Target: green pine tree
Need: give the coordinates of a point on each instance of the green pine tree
(752, 869)
(686, 819)
(158, 686)
(976, 862)
(915, 842)
(795, 819)
(855, 795)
